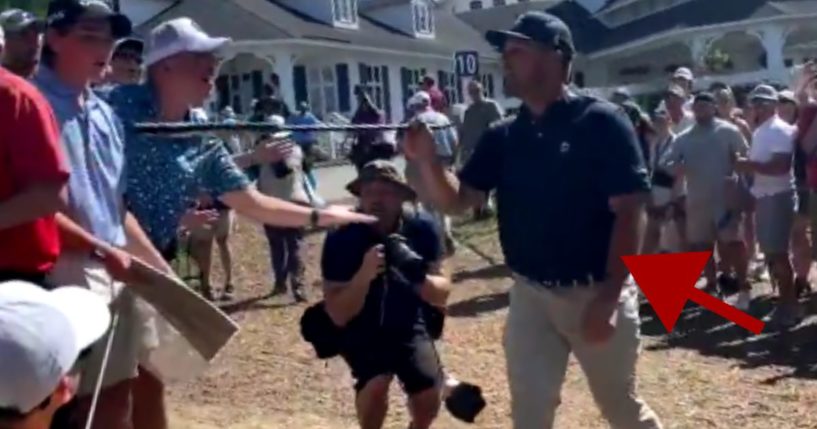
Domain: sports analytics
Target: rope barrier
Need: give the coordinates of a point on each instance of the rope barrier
(186, 128)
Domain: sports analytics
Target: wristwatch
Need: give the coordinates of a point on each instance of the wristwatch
(314, 218)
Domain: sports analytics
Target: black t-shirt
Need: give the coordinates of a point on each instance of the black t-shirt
(392, 306)
(553, 177)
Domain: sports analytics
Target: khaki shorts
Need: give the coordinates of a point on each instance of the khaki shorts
(220, 229)
(79, 270)
(706, 223)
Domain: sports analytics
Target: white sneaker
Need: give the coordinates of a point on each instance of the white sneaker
(744, 300)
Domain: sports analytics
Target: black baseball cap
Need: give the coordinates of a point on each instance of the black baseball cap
(704, 97)
(17, 20)
(69, 12)
(130, 44)
(538, 27)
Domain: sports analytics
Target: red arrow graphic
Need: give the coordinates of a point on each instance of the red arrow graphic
(668, 282)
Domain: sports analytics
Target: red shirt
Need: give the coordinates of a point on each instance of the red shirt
(804, 120)
(438, 102)
(30, 153)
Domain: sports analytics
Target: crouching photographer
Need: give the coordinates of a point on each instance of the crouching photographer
(384, 291)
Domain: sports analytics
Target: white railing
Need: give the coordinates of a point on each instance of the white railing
(333, 143)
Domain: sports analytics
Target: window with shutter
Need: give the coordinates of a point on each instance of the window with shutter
(323, 89)
(384, 72)
(299, 81)
(373, 79)
(344, 90)
(487, 80)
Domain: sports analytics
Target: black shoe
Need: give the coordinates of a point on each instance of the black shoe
(299, 294)
(450, 246)
(228, 294)
(728, 285)
(278, 289)
(207, 294)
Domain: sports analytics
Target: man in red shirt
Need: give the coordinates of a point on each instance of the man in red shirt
(438, 101)
(33, 176)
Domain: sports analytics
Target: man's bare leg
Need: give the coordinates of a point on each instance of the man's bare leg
(113, 409)
(201, 250)
(783, 274)
(801, 250)
(372, 402)
(226, 254)
(424, 408)
(148, 402)
(652, 235)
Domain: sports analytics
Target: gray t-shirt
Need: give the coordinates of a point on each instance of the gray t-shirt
(479, 116)
(708, 154)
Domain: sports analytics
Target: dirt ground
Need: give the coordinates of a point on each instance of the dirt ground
(708, 374)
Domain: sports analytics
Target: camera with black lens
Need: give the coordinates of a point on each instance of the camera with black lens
(281, 169)
(404, 259)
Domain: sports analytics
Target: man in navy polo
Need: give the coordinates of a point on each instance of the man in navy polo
(571, 186)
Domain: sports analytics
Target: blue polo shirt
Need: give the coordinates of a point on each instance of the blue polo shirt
(554, 176)
(167, 175)
(93, 141)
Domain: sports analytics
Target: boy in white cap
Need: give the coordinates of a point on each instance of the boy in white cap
(446, 141)
(42, 336)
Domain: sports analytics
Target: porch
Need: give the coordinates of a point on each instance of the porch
(325, 75)
(738, 54)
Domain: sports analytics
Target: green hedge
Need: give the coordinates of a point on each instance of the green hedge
(37, 6)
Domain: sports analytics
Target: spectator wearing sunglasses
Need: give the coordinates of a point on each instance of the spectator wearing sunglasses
(42, 337)
(24, 41)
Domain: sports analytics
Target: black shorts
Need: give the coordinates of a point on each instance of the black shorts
(415, 363)
(35, 278)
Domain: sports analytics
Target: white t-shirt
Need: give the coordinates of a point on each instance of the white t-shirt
(775, 136)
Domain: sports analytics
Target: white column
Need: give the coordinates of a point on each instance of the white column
(284, 62)
(698, 48)
(773, 38)
(354, 80)
(396, 92)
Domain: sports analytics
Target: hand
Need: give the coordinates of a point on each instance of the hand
(418, 143)
(342, 215)
(804, 81)
(205, 201)
(270, 152)
(598, 325)
(374, 263)
(195, 219)
(744, 165)
(118, 263)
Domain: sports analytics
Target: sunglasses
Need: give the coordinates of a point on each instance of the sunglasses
(128, 56)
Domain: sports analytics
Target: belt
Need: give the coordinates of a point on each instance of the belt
(561, 284)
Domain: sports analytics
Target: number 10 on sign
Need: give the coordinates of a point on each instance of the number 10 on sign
(466, 63)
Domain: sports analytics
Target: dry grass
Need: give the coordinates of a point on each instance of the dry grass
(268, 378)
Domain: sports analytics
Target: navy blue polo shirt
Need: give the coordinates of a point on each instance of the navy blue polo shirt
(554, 176)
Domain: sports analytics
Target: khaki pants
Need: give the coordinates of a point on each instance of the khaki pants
(543, 328)
(78, 270)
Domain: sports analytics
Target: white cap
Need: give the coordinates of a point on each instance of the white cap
(279, 121)
(41, 336)
(419, 98)
(683, 73)
(180, 35)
